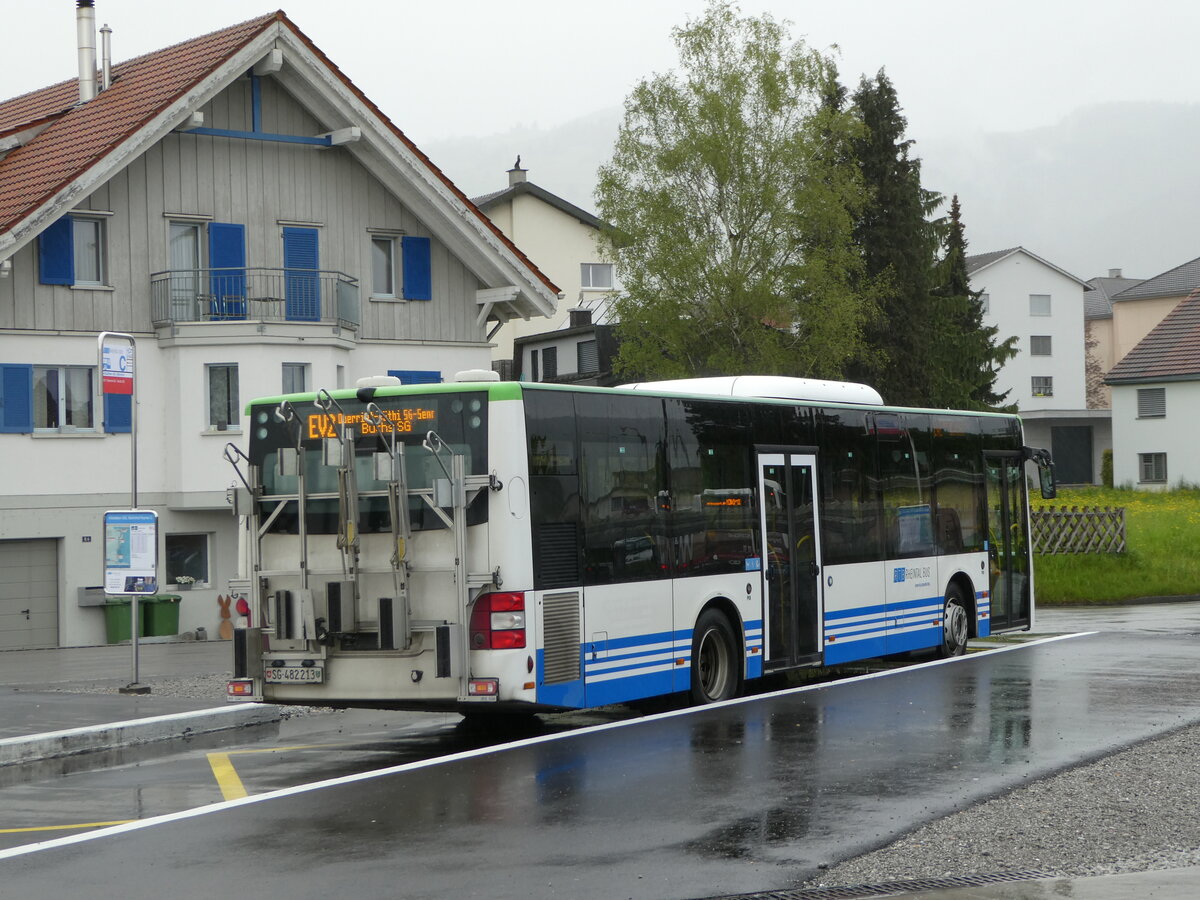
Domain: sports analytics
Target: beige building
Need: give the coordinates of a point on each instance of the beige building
(1098, 329)
(560, 239)
(1137, 310)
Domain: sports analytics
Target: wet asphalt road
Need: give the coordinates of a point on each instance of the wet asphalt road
(751, 796)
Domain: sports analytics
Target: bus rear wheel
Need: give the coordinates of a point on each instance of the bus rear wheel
(956, 628)
(716, 674)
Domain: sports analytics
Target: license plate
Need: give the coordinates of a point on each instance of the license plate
(294, 675)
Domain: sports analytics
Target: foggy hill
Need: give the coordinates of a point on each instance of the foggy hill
(1111, 186)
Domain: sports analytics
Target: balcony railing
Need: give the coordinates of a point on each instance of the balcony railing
(254, 295)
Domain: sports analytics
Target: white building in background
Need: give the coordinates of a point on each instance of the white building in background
(561, 240)
(1042, 305)
(259, 226)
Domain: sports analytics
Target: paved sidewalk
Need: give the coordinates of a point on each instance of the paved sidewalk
(56, 703)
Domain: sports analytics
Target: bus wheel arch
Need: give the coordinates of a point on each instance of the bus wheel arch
(718, 656)
(958, 617)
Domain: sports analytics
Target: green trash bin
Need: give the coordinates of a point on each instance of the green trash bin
(160, 615)
(117, 620)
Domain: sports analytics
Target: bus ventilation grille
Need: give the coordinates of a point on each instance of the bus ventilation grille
(560, 630)
(556, 554)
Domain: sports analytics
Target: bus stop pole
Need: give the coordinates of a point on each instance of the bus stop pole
(135, 606)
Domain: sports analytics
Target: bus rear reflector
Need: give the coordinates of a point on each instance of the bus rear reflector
(498, 621)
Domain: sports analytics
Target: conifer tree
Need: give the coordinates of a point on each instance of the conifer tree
(899, 247)
(970, 354)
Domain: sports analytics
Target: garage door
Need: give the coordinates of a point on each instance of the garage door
(28, 594)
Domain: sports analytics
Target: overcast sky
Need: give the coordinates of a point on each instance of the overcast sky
(993, 94)
(463, 67)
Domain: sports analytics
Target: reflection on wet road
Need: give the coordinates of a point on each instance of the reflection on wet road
(1160, 618)
(750, 796)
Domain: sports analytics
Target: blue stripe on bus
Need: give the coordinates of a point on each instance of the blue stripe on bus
(877, 609)
(600, 693)
(569, 693)
(853, 650)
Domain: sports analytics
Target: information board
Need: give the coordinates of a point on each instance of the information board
(130, 552)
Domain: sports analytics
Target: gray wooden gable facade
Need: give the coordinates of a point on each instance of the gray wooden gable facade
(260, 185)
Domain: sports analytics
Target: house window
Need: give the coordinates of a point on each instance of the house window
(985, 303)
(295, 378)
(1043, 386)
(184, 242)
(89, 250)
(1152, 403)
(1153, 468)
(549, 363)
(223, 397)
(383, 267)
(1039, 304)
(62, 398)
(187, 554)
(1039, 345)
(587, 357)
(596, 276)
(534, 371)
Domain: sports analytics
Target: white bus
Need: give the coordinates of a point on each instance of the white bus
(504, 546)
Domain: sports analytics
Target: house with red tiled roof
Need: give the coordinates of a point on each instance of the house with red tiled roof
(1155, 395)
(257, 225)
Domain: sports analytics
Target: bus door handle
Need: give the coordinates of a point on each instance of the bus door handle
(813, 569)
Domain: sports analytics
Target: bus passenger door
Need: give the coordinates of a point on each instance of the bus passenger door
(787, 484)
(1008, 541)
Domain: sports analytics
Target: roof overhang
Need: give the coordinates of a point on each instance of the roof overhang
(308, 76)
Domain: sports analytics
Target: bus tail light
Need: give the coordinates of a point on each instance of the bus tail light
(240, 689)
(498, 621)
(483, 687)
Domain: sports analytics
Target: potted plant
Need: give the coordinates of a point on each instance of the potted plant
(184, 582)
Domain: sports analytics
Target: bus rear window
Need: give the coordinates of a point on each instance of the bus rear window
(459, 419)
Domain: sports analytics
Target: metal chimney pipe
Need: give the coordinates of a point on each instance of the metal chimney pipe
(105, 57)
(85, 30)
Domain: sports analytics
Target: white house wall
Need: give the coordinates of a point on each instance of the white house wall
(557, 243)
(1177, 434)
(1009, 283)
(58, 486)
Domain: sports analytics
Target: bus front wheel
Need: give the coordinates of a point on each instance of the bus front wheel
(956, 628)
(716, 674)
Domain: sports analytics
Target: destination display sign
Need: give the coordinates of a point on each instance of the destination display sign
(404, 420)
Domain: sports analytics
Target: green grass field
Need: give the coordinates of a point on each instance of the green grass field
(1162, 533)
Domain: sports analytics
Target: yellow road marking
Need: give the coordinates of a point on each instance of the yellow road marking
(227, 777)
(65, 827)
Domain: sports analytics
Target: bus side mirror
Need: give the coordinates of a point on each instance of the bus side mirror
(1046, 476)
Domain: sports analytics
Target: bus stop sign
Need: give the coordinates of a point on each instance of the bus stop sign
(130, 552)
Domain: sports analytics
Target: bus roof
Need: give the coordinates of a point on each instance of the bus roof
(513, 390)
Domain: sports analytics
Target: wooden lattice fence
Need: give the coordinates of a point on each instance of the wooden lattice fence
(1076, 530)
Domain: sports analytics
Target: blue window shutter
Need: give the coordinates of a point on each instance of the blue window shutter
(56, 253)
(16, 399)
(302, 283)
(118, 413)
(418, 284)
(227, 251)
(416, 376)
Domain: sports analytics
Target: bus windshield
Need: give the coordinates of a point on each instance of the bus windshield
(460, 419)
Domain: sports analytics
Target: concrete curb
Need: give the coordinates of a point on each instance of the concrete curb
(113, 735)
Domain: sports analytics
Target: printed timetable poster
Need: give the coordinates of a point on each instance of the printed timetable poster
(130, 552)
